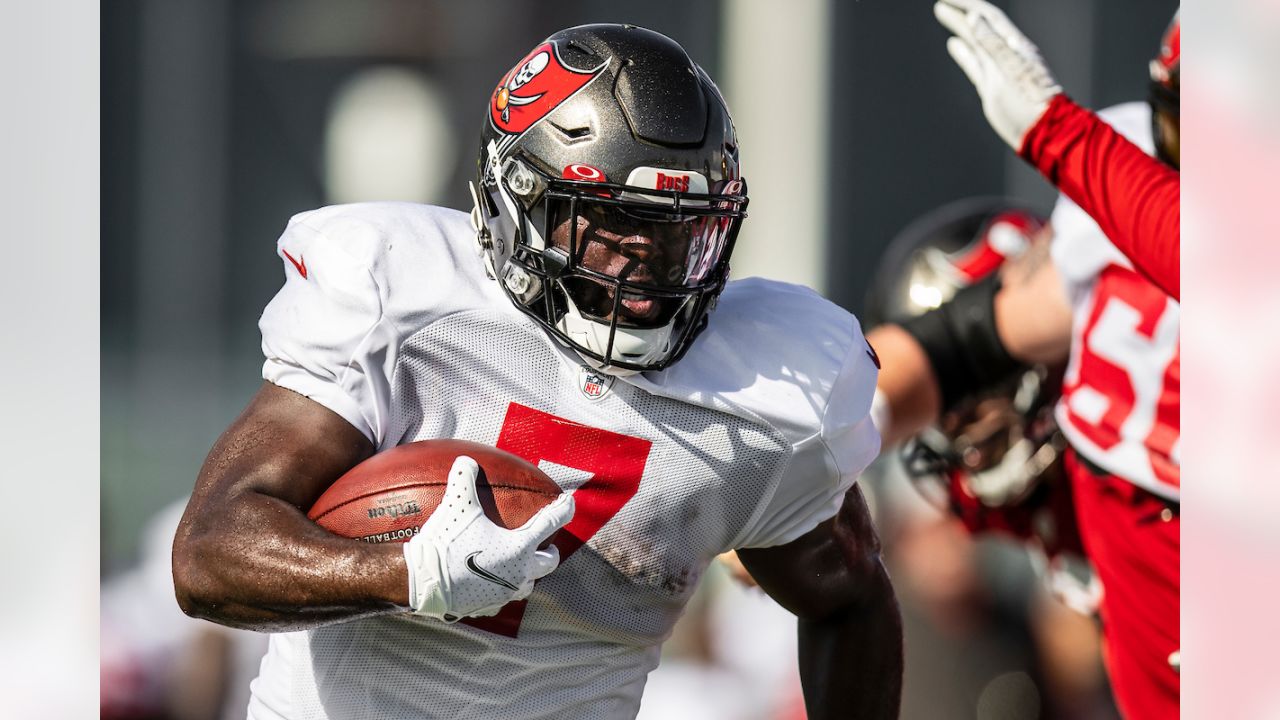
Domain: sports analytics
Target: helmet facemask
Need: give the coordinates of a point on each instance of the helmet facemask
(630, 286)
(995, 447)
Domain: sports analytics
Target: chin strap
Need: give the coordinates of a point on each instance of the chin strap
(629, 344)
(484, 241)
(611, 370)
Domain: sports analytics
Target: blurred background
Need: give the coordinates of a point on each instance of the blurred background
(222, 118)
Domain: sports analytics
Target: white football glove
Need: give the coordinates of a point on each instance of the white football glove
(463, 565)
(1012, 79)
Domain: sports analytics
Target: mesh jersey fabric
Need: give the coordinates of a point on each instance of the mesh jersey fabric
(1120, 402)
(750, 440)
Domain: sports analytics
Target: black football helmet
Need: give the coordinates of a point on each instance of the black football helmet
(609, 195)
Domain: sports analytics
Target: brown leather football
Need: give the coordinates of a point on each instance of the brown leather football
(387, 497)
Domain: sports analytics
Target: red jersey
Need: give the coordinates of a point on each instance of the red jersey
(1120, 401)
(1133, 198)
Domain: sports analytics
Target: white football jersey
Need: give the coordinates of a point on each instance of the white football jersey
(388, 318)
(1120, 401)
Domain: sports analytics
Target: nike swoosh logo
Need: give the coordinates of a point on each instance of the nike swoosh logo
(300, 264)
(481, 572)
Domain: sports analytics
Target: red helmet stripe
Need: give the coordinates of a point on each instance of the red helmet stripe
(534, 87)
(1171, 45)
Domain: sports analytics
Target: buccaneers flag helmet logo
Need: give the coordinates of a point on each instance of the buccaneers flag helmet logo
(535, 87)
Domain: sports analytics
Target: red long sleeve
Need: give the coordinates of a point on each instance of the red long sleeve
(1133, 197)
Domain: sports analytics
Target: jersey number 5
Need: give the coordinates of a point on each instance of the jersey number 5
(1126, 379)
(615, 462)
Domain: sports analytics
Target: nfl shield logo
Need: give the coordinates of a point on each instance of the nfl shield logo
(593, 384)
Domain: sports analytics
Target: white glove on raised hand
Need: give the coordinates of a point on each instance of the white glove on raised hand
(1012, 79)
(463, 565)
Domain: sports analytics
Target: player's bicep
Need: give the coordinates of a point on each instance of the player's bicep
(907, 383)
(1032, 313)
(826, 569)
(283, 445)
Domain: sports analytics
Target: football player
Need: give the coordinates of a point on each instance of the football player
(993, 458)
(579, 334)
(993, 462)
(1080, 302)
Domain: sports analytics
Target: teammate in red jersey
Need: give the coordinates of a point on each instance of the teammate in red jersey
(1134, 199)
(1083, 302)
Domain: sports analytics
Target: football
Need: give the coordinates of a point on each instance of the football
(387, 497)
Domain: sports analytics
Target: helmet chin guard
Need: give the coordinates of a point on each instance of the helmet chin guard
(633, 346)
(609, 197)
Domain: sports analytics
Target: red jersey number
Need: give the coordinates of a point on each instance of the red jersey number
(616, 463)
(1117, 347)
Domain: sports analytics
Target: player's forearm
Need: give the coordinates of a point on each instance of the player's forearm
(907, 383)
(262, 565)
(851, 662)
(1134, 198)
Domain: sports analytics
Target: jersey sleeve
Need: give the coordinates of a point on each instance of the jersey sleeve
(1079, 249)
(825, 465)
(324, 334)
(1134, 198)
